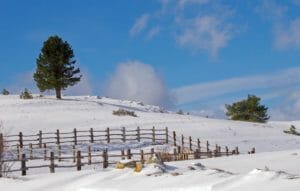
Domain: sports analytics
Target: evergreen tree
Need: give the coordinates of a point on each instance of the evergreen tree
(248, 110)
(55, 66)
(5, 92)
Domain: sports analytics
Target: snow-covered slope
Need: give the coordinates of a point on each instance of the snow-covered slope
(49, 114)
(260, 172)
(277, 170)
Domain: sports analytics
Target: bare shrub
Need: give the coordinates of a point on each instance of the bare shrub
(5, 92)
(26, 94)
(123, 112)
(5, 166)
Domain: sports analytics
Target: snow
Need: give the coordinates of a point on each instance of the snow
(274, 167)
(264, 171)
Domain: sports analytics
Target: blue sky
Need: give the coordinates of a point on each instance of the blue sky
(192, 46)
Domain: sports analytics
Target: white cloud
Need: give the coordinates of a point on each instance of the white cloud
(139, 25)
(286, 30)
(181, 4)
(196, 92)
(153, 32)
(137, 81)
(288, 36)
(280, 89)
(271, 10)
(199, 25)
(207, 33)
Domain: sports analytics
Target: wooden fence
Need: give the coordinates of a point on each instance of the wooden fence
(49, 147)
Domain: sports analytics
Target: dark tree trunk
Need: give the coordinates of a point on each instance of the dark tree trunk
(58, 93)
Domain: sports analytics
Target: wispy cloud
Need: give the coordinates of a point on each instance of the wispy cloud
(195, 92)
(199, 25)
(288, 36)
(285, 29)
(153, 32)
(135, 80)
(181, 4)
(283, 86)
(139, 25)
(204, 33)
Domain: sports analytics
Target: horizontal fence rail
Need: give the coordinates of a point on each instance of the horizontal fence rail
(78, 148)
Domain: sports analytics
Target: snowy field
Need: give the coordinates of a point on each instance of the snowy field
(275, 167)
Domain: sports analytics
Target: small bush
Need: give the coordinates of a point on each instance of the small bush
(5, 92)
(292, 131)
(180, 112)
(26, 94)
(123, 112)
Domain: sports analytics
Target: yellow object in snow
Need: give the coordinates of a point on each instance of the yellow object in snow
(120, 165)
(138, 167)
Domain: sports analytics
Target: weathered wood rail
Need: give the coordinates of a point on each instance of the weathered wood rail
(50, 147)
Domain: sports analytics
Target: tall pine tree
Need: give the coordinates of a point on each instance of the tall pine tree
(55, 66)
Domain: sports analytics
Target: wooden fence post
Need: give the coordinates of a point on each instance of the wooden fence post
(196, 154)
(174, 138)
(178, 149)
(153, 135)
(78, 162)
(1, 144)
(57, 137)
(21, 139)
(175, 154)
(207, 146)
(123, 154)
(226, 150)
(182, 142)
(138, 134)
(92, 135)
(199, 153)
(1, 152)
(89, 156)
(105, 158)
(52, 165)
(152, 152)
(74, 153)
(167, 135)
(40, 139)
(191, 145)
(30, 151)
(23, 164)
(75, 136)
(45, 151)
(142, 157)
(237, 150)
(59, 153)
(124, 134)
(18, 152)
(108, 135)
(128, 154)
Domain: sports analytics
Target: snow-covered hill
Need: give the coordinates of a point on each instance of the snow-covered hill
(49, 114)
(277, 170)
